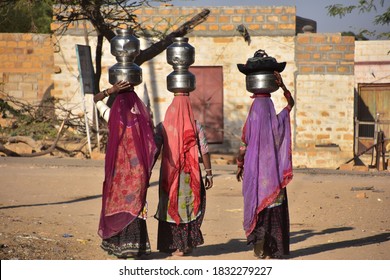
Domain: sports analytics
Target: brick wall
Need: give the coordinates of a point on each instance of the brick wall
(266, 21)
(222, 21)
(324, 120)
(325, 99)
(331, 54)
(26, 65)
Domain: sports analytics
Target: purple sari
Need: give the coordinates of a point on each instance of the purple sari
(128, 164)
(268, 165)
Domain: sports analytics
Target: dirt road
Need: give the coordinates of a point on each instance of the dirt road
(49, 209)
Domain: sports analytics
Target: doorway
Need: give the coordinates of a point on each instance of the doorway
(207, 101)
(372, 117)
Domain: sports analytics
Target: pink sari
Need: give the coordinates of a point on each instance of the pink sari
(128, 164)
(180, 154)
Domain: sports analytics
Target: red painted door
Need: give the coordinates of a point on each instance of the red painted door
(207, 100)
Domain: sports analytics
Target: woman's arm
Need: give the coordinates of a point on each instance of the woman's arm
(116, 88)
(204, 151)
(209, 172)
(103, 109)
(286, 92)
(240, 162)
(158, 140)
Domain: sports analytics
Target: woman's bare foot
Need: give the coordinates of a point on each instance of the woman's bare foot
(178, 253)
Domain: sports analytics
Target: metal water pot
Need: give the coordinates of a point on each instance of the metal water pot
(130, 72)
(180, 54)
(125, 44)
(125, 47)
(181, 81)
(261, 82)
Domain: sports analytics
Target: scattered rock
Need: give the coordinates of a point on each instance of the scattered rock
(361, 195)
(362, 189)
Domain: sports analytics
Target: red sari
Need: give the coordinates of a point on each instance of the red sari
(180, 154)
(180, 176)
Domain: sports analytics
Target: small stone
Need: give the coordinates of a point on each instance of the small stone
(361, 195)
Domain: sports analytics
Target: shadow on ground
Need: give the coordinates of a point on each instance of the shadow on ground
(300, 236)
(81, 199)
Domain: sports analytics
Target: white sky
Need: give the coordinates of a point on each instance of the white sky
(312, 9)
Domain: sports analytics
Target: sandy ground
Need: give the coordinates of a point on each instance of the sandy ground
(49, 209)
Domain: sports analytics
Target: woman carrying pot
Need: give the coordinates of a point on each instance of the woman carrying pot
(128, 165)
(264, 163)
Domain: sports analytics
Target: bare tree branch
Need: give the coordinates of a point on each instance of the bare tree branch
(48, 151)
(183, 30)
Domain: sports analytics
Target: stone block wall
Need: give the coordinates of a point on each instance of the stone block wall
(324, 120)
(330, 54)
(324, 108)
(260, 20)
(26, 65)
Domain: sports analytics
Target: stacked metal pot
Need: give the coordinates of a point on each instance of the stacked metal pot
(180, 54)
(125, 47)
